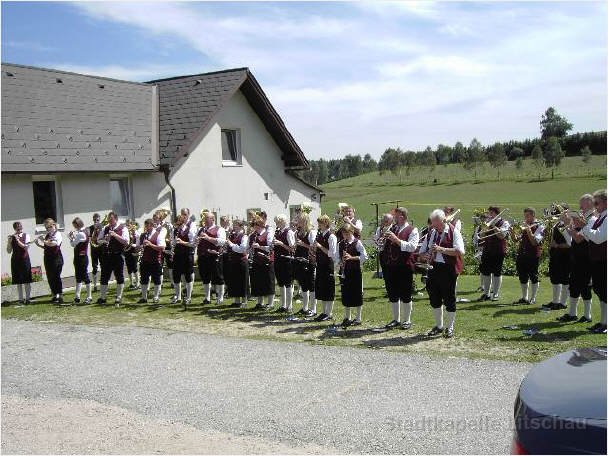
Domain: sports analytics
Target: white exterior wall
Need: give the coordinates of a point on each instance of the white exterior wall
(201, 181)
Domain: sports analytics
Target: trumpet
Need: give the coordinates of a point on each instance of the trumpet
(450, 218)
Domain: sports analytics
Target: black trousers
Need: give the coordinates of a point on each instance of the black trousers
(261, 277)
(53, 266)
(236, 277)
(96, 255)
(527, 268)
(559, 266)
(210, 269)
(130, 262)
(283, 270)
(81, 264)
(598, 275)
(183, 265)
(491, 263)
(112, 263)
(325, 283)
(351, 288)
(150, 270)
(580, 279)
(441, 286)
(304, 273)
(398, 282)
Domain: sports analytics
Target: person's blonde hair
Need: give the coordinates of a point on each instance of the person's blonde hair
(324, 219)
(281, 218)
(305, 218)
(348, 228)
(49, 221)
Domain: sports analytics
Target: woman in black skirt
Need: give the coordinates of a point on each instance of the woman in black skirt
(236, 265)
(53, 259)
(79, 239)
(21, 268)
(352, 255)
(325, 252)
(261, 259)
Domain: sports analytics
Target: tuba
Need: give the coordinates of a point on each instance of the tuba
(97, 230)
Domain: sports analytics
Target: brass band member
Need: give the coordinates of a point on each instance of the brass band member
(183, 258)
(21, 269)
(444, 250)
(151, 242)
(596, 235)
(352, 255)
(79, 240)
(261, 258)
(449, 210)
(130, 258)
(304, 269)
(559, 267)
(53, 259)
(528, 256)
(493, 254)
(284, 243)
(210, 240)
(96, 249)
(113, 238)
(236, 265)
(385, 224)
(326, 246)
(580, 265)
(398, 270)
(349, 217)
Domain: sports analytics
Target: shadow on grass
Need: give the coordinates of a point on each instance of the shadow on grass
(399, 341)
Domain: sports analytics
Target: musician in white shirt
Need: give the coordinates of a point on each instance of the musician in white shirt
(113, 238)
(284, 243)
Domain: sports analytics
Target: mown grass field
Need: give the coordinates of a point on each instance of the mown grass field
(456, 187)
(479, 325)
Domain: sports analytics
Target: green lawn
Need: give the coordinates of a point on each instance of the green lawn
(418, 193)
(479, 325)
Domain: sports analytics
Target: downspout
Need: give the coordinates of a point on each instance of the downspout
(166, 172)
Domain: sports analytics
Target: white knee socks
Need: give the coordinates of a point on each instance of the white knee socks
(207, 291)
(496, 284)
(406, 312)
(312, 302)
(305, 300)
(438, 315)
(219, 291)
(451, 317)
(178, 289)
(28, 291)
(557, 293)
(20, 291)
(573, 306)
(144, 291)
(289, 298)
(328, 307)
(189, 290)
(524, 290)
(565, 294)
(156, 291)
(270, 300)
(89, 291)
(395, 308)
(533, 291)
(347, 313)
(359, 313)
(282, 297)
(603, 313)
(260, 300)
(119, 288)
(103, 291)
(487, 281)
(587, 303)
(94, 280)
(76, 292)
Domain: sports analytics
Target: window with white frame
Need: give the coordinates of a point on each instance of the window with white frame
(120, 196)
(47, 200)
(231, 147)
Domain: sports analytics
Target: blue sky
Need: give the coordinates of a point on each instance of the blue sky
(348, 77)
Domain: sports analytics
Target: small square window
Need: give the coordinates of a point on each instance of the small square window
(231, 147)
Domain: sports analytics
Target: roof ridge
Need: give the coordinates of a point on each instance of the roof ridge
(31, 67)
(229, 70)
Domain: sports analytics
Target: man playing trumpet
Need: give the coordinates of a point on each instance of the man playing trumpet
(493, 238)
(528, 255)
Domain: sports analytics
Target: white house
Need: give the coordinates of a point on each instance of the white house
(74, 144)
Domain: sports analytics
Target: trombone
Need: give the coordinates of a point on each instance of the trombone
(489, 225)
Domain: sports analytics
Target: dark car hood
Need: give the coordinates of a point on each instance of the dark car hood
(569, 385)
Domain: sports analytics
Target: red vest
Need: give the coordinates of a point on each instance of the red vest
(81, 248)
(114, 246)
(53, 251)
(392, 253)
(597, 252)
(149, 254)
(526, 248)
(494, 244)
(281, 235)
(261, 239)
(302, 252)
(184, 235)
(18, 251)
(351, 249)
(205, 246)
(448, 242)
(236, 238)
(321, 257)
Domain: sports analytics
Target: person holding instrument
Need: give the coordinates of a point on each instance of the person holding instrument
(528, 255)
(79, 240)
(21, 269)
(236, 264)
(326, 246)
(284, 244)
(444, 251)
(96, 249)
(113, 238)
(304, 268)
(494, 241)
(352, 254)
(261, 261)
(53, 258)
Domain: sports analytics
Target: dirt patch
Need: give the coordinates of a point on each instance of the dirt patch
(51, 426)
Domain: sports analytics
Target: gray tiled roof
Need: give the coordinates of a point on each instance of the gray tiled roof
(188, 103)
(64, 122)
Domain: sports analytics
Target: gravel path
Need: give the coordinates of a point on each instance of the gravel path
(269, 396)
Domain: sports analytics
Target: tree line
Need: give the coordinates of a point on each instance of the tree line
(547, 150)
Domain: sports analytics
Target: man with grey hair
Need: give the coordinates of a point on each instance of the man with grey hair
(443, 249)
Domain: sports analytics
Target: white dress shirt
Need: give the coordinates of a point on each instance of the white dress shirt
(332, 248)
(160, 239)
(412, 241)
(124, 235)
(458, 242)
(360, 249)
(269, 239)
(25, 241)
(55, 237)
(539, 233)
(243, 246)
(79, 236)
(598, 235)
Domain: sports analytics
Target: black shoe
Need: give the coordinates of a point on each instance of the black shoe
(559, 306)
(281, 309)
(584, 319)
(406, 325)
(448, 333)
(55, 299)
(522, 301)
(392, 324)
(355, 322)
(479, 289)
(76, 300)
(484, 297)
(567, 318)
(435, 331)
(346, 323)
(601, 329)
(101, 301)
(594, 327)
(60, 300)
(142, 301)
(323, 317)
(259, 307)
(27, 301)
(310, 314)
(95, 289)
(549, 305)
(235, 304)
(206, 301)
